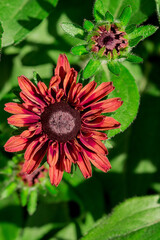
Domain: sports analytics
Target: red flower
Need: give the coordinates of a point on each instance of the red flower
(63, 121)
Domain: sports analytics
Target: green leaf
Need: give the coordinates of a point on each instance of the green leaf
(98, 10)
(136, 218)
(9, 190)
(144, 31)
(141, 9)
(114, 67)
(19, 17)
(126, 89)
(1, 32)
(130, 28)
(158, 8)
(125, 16)
(109, 17)
(32, 202)
(79, 50)
(91, 68)
(133, 58)
(36, 78)
(11, 218)
(88, 25)
(73, 30)
(133, 42)
(24, 195)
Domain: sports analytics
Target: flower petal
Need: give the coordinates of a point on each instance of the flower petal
(56, 173)
(99, 161)
(84, 165)
(86, 91)
(16, 144)
(109, 105)
(30, 90)
(62, 67)
(53, 153)
(22, 120)
(70, 78)
(34, 154)
(94, 145)
(54, 83)
(16, 108)
(71, 151)
(102, 124)
(101, 91)
(67, 165)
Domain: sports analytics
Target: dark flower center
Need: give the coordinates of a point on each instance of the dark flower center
(110, 39)
(61, 122)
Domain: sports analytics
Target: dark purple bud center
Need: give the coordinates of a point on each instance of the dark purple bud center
(109, 40)
(61, 122)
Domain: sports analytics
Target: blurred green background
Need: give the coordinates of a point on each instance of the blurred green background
(71, 210)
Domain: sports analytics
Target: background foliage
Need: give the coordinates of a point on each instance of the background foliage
(32, 40)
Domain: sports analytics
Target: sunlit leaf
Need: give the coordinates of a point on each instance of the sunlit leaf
(114, 67)
(24, 195)
(144, 31)
(19, 17)
(79, 50)
(98, 10)
(32, 201)
(109, 17)
(141, 9)
(1, 32)
(126, 89)
(88, 25)
(91, 67)
(125, 15)
(130, 221)
(73, 30)
(8, 190)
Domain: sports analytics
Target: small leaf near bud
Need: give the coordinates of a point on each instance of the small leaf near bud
(88, 25)
(133, 58)
(114, 67)
(79, 50)
(125, 15)
(91, 68)
(109, 17)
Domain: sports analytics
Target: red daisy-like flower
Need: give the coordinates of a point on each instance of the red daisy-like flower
(63, 120)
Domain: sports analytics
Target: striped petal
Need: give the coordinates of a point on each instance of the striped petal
(94, 145)
(16, 144)
(102, 123)
(99, 161)
(109, 105)
(67, 165)
(70, 78)
(54, 83)
(22, 120)
(84, 165)
(16, 108)
(30, 90)
(62, 67)
(53, 153)
(56, 173)
(34, 154)
(71, 151)
(86, 91)
(100, 92)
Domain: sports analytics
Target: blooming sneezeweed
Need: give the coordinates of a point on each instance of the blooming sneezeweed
(63, 120)
(107, 39)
